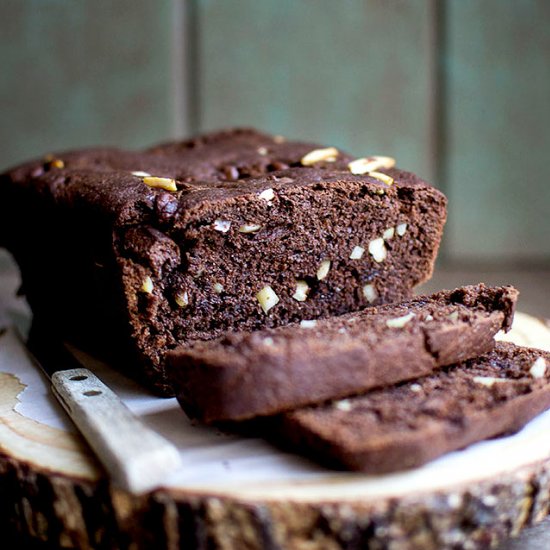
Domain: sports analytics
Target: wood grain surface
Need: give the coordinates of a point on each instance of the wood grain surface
(52, 489)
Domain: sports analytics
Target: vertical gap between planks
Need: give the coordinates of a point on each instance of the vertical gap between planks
(185, 108)
(179, 107)
(438, 145)
(192, 32)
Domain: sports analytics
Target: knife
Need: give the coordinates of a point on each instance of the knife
(136, 457)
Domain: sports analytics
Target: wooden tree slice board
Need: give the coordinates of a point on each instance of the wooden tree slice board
(243, 493)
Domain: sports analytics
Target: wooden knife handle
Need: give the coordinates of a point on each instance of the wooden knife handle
(137, 458)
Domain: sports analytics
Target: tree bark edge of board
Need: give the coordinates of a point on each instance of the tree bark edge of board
(63, 512)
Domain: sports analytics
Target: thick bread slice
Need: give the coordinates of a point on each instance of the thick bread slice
(243, 375)
(409, 424)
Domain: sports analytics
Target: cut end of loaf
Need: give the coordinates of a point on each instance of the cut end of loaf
(244, 263)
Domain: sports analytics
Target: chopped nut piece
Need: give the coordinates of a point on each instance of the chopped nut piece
(249, 228)
(454, 500)
(57, 163)
(302, 290)
(279, 139)
(538, 369)
(453, 316)
(308, 323)
(323, 270)
(488, 381)
(357, 253)
(359, 166)
(218, 288)
(267, 195)
(384, 178)
(140, 174)
(147, 285)
(343, 405)
(317, 155)
(222, 225)
(489, 500)
(231, 173)
(377, 250)
(429, 317)
(370, 293)
(369, 164)
(262, 151)
(267, 298)
(388, 234)
(182, 299)
(416, 388)
(400, 322)
(168, 184)
(401, 228)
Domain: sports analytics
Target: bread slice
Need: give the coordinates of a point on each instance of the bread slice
(134, 253)
(243, 375)
(406, 425)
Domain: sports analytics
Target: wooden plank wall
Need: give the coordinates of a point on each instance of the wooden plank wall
(360, 77)
(497, 129)
(83, 72)
(457, 90)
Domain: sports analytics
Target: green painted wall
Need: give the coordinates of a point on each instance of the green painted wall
(497, 129)
(457, 90)
(83, 72)
(360, 77)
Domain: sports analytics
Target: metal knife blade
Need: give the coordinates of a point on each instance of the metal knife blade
(136, 457)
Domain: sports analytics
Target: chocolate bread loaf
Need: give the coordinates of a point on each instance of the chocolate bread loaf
(138, 252)
(409, 424)
(243, 375)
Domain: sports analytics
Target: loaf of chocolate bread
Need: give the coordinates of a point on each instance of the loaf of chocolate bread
(406, 425)
(243, 375)
(135, 253)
